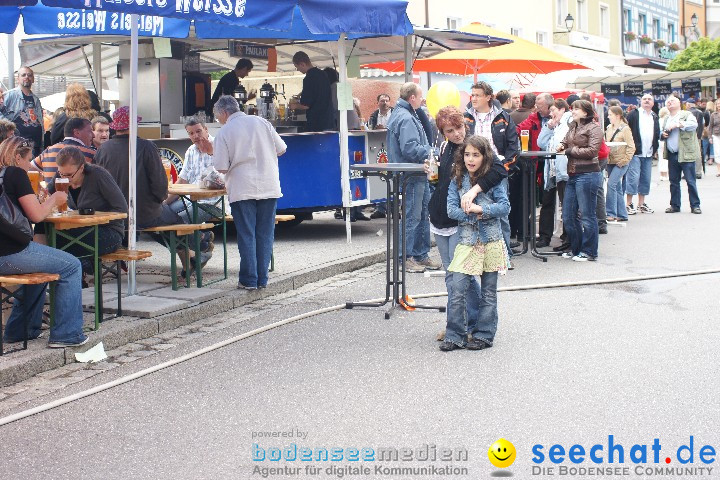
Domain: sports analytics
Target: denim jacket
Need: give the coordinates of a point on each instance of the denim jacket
(495, 205)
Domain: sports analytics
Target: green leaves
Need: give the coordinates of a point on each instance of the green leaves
(703, 54)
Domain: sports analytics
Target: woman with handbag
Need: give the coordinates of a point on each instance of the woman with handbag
(581, 146)
(19, 254)
(620, 156)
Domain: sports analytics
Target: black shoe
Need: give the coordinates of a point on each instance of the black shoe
(449, 347)
(475, 344)
(542, 243)
(602, 229)
(338, 214)
(516, 251)
(514, 244)
(562, 248)
(672, 210)
(377, 215)
(361, 216)
(697, 210)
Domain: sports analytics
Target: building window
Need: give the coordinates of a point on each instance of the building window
(656, 28)
(454, 23)
(642, 24)
(516, 31)
(604, 21)
(561, 9)
(627, 20)
(541, 39)
(582, 15)
(671, 32)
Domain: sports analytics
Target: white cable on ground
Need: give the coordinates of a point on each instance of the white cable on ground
(257, 331)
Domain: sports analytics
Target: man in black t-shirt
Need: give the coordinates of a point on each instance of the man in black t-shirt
(22, 107)
(230, 81)
(315, 96)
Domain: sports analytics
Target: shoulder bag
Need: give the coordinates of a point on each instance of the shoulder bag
(12, 221)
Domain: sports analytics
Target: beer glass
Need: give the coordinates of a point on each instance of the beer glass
(62, 185)
(168, 171)
(525, 140)
(35, 177)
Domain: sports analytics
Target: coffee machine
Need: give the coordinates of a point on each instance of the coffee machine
(240, 95)
(266, 103)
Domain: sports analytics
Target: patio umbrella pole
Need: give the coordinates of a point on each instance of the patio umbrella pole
(11, 60)
(132, 286)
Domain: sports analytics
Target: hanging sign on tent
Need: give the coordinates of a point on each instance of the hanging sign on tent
(611, 89)
(691, 85)
(633, 89)
(247, 50)
(662, 87)
(45, 20)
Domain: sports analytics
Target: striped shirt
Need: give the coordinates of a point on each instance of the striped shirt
(45, 162)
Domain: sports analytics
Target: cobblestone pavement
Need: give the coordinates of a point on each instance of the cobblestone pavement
(15, 397)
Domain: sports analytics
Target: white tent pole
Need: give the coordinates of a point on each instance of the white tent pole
(11, 60)
(407, 57)
(132, 287)
(344, 160)
(97, 70)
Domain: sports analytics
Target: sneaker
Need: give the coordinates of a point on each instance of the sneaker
(696, 210)
(245, 287)
(645, 209)
(567, 255)
(377, 215)
(631, 209)
(582, 257)
(449, 347)
(477, 344)
(68, 344)
(413, 266)
(430, 264)
(672, 210)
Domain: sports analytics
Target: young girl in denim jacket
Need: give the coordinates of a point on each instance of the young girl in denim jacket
(480, 251)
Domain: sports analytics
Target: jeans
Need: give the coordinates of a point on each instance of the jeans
(184, 210)
(109, 240)
(416, 197)
(68, 321)
(600, 212)
(255, 225)
(638, 176)
(615, 203)
(687, 169)
(167, 217)
(581, 196)
(505, 225)
(546, 224)
(484, 329)
(446, 247)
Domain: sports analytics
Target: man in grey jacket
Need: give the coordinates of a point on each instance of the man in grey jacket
(22, 107)
(408, 143)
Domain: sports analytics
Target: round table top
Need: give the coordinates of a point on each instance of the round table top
(540, 153)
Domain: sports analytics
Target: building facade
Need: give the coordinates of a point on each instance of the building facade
(712, 18)
(651, 32)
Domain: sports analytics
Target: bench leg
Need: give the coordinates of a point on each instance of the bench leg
(173, 261)
(119, 289)
(2, 302)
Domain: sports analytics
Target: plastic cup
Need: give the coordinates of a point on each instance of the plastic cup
(35, 178)
(525, 140)
(62, 185)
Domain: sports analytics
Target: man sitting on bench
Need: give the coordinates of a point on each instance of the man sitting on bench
(151, 181)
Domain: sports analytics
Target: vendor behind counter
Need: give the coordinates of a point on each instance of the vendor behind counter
(315, 96)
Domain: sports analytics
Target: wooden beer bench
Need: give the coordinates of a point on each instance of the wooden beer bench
(119, 256)
(175, 236)
(23, 279)
(278, 219)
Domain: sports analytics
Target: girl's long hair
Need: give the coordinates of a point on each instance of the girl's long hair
(488, 156)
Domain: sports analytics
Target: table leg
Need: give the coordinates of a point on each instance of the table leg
(196, 238)
(533, 228)
(53, 242)
(97, 280)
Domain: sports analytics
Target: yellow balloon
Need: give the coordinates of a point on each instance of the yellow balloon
(440, 95)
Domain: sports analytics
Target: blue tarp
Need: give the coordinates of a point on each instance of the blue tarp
(380, 17)
(48, 20)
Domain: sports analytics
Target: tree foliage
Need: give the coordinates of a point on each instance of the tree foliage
(703, 54)
(218, 75)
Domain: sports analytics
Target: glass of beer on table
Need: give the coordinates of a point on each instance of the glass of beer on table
(62, 185)
(168, 171)
(525, 140)
(35, 178)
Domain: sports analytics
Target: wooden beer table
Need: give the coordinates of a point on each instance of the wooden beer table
(57, 224)
(194, 193)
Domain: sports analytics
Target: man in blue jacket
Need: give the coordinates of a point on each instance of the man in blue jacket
(407, 142)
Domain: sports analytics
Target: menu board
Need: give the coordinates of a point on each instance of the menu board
(662, 87)
(634, 89)
(612, 89)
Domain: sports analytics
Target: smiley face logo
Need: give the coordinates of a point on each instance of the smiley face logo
(502, 453)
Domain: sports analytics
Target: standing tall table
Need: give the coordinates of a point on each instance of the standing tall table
(528, 164)
(395, 176)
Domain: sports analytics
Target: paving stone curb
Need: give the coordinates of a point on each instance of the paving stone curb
(115, 333)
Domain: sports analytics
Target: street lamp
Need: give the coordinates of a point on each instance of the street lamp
(569, 23)
(690, 29)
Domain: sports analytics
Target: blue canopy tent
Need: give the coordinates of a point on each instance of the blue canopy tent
(269, 17)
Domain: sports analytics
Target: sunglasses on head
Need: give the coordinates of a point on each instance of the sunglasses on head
(24, 143)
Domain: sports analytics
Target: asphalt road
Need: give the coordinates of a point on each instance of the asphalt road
(636, 361)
